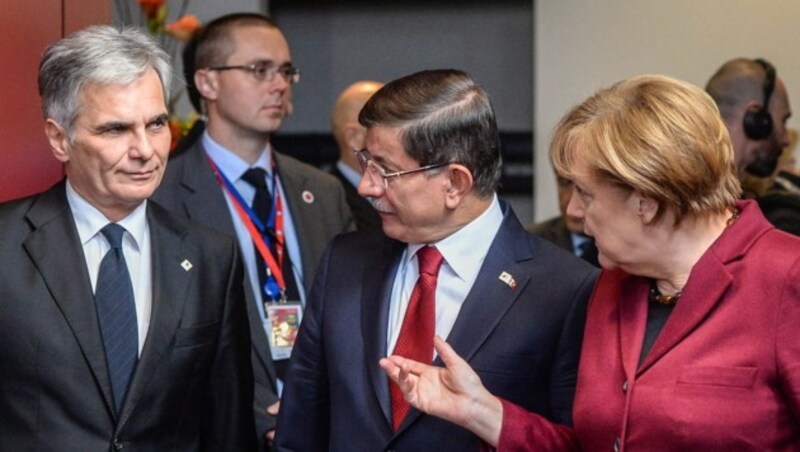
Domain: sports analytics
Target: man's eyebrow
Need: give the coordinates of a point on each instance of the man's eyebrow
(163, 117)
(110, 125)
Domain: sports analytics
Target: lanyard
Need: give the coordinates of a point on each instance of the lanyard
(258, 231)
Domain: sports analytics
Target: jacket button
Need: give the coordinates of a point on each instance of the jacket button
(617, 444)
(625, 386)
(118, 445)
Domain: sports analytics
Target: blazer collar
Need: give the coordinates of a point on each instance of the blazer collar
(375, 300)
(205, 198)
(501, 280)
(55, 248)
(706, 287)
(172, 273)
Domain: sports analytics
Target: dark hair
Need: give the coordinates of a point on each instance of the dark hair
(214, 43)
(444, 117)
(188, 56)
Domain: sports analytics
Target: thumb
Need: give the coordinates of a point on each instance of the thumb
(449, 356)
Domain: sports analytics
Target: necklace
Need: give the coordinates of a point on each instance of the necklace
(734, 216)
(656, 297)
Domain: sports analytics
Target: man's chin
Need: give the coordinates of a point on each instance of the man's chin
(762, 167)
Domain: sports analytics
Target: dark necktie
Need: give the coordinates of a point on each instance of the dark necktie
(415, 340)
(116, 311)
(262, 207)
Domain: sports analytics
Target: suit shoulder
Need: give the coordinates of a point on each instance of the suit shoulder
(558, 260)
(291, 164)
(204, 233)
(542, 226)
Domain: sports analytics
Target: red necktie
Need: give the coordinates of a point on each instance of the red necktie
(419, 324)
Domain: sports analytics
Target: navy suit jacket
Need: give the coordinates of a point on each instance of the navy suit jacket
(190, 189)
(192, 386)
(523, 341)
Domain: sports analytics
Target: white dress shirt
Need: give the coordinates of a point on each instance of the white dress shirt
(135, 247)
(464, 252)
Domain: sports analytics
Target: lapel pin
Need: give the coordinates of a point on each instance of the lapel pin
(186, 265)
(508, 279)
(308, 197)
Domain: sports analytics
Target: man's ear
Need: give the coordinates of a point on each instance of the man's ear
(58, 138)
(648, 208)
(354, 136)
(459, 184)
(207, 83)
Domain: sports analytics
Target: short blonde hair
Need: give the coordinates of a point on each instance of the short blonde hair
(656, 135)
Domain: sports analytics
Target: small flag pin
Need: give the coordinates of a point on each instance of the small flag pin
(508, 279)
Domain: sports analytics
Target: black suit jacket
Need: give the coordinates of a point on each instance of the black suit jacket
(190, 189)
(192, 387)
(366, 217)
(555, 231)
(523, 341)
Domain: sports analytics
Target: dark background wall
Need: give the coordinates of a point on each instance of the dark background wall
(337, 43)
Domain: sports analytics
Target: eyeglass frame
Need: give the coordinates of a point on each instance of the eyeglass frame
(291, 74)
(367, 165)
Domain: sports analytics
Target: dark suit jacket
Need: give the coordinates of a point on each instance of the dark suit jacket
(190, 189)
(523, 342)
(366, 217)
(782, 209)
(192, 387)
(555, 230)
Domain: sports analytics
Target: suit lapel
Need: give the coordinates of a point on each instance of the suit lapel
(702, 292)
(630, 297)
(490, 298)
(709, 280)
(205, 202)
(375, 300)
(170, 286)
(295, 184)
(55, 248)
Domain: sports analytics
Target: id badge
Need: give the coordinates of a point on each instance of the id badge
(284, 322)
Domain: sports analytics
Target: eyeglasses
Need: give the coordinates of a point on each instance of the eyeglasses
(264, 71)
(372, 168)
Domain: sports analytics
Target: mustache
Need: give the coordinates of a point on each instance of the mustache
(380, 205)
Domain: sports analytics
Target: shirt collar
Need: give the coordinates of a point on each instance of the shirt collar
(89, 220)
(230, 164)
(470, 244)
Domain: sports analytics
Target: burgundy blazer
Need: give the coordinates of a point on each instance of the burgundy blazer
(723, 374)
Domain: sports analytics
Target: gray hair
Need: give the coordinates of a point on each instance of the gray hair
(444, 117)
(100, 55)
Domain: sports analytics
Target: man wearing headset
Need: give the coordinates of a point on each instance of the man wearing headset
(754, 104)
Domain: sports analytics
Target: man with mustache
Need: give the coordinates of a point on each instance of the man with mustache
(283, 212)
(122, 326)
(754, 104)
(453, 260)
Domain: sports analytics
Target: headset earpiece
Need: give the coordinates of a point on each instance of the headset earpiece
(757, 119)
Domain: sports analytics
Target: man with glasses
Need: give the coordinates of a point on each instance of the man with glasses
(282, 211)
(457, 263)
